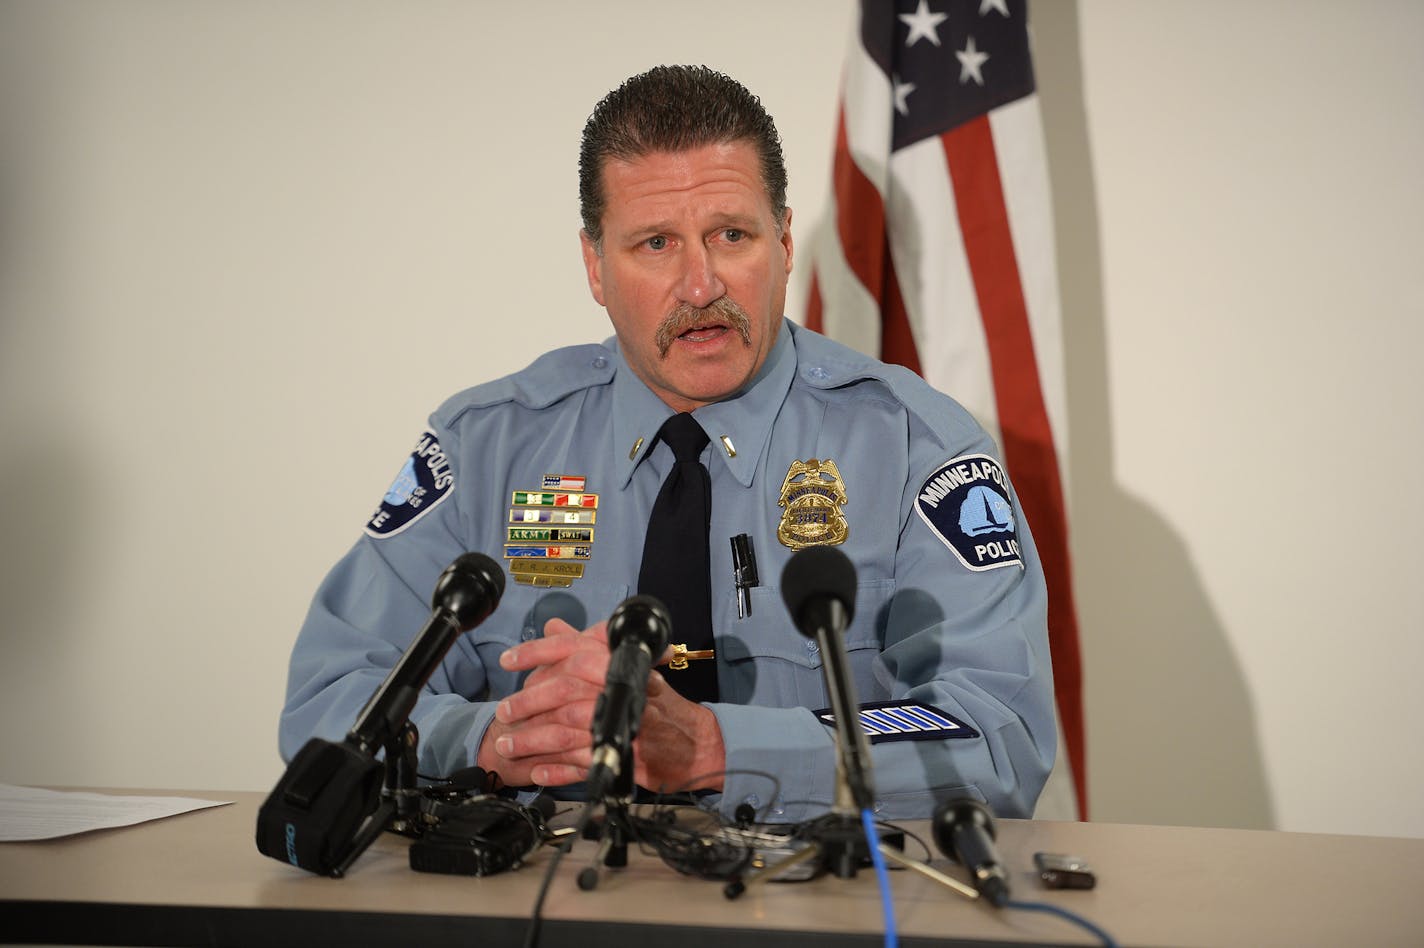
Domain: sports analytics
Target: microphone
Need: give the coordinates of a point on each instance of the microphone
(327, 807)
(964, 832)
(818, 587)
(465, 594)
(638, 633)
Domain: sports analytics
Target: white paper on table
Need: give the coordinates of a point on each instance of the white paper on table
(27, 813)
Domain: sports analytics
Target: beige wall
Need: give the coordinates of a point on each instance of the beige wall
(246, 248)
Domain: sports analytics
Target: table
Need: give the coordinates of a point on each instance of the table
(197, 879)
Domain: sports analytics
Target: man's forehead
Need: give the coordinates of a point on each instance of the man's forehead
(725, 175)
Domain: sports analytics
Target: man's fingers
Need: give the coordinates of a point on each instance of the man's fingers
(556, 626)
(538, 652)
(560, 642)
(561, 694)
(543, 740)
(557, 775)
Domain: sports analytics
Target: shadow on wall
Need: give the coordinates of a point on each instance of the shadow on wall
(1171, 730)
(43, 572)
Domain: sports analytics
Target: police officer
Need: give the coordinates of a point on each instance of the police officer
(687, 244)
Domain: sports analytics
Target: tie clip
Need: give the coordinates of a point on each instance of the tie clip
(681, 656)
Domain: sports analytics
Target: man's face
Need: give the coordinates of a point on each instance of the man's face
(693, 272)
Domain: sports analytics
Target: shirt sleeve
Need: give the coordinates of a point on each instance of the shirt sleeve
(371, 606)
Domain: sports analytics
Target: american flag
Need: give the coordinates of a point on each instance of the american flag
(941, 258)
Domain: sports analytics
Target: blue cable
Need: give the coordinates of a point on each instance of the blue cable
(872, 839)
(1102, 936)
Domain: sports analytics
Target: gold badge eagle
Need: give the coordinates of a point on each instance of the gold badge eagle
(812, 494)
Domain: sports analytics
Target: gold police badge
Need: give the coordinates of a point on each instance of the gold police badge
(812, 495)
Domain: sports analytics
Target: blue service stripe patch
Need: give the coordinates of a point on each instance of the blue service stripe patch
(927, 718)
(931, 719)
(869, 725)
(887, 721)
(907, 722)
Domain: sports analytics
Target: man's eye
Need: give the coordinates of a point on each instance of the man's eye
(733, 234)
(657, 243)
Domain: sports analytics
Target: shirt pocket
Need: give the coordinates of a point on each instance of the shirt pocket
(764, 660)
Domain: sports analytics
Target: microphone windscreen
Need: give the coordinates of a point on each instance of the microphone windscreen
(469, 589)
(818, 573)
(644, 618)
(953, 815)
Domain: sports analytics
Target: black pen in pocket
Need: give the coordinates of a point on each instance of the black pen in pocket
(744, 573)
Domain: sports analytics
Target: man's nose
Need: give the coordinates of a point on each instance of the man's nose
(700, 283)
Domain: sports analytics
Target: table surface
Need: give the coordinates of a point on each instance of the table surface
(197, 878)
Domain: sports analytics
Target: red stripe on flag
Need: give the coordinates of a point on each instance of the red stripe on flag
(860, 222)
(813, 304)
(1023, 416)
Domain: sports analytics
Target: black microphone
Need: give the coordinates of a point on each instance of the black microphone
(818, 587)
(327, 807)
(465, 594)
(964, 832)
(638, 633)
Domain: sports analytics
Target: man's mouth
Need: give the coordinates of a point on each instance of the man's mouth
(703, 333)
(703, 325)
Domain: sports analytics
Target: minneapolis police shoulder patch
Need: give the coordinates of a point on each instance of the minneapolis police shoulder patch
(966, 503)
(423, 481)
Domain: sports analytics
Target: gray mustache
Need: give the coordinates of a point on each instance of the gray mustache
(686, 316)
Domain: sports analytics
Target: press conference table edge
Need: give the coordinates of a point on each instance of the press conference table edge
(197, 879)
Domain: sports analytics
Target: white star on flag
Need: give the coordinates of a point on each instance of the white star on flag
(902, 92)
(988, 5)
(971, 59)
(923, 24)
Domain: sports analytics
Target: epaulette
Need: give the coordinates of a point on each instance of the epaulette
(548, 379)
(827, 364)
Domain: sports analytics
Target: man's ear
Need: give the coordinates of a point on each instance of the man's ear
(593, 266)
(786, 241)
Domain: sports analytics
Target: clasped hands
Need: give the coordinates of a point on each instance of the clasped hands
(541, 734)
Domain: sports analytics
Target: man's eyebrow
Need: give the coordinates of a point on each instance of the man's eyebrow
(744, 221)
(648, 230)
(728, 219)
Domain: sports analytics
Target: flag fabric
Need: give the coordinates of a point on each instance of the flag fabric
(940, 258)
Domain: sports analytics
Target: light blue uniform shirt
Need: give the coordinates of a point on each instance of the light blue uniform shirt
(930, 625)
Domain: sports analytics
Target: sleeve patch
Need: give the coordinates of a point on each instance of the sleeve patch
(966, 503)
(889, 721)
(423, 481)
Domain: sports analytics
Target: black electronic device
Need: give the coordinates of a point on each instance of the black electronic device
(1061, 871)
(481, 836)
(334, 799)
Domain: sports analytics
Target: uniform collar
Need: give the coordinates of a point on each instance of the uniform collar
(741, 424)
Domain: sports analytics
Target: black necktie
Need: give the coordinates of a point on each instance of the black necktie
(676, 566)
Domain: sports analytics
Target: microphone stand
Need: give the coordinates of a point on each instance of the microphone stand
(398, 809)
(616, 827)
(837, 841)
(637, 633)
